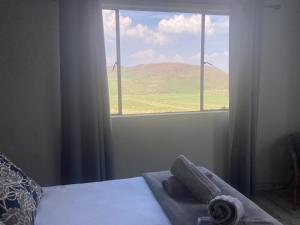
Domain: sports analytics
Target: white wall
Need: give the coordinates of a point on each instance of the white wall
(279, 92)
(151, 142)
(29, 87)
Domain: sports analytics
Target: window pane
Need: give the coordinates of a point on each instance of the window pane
(110, 50)
(216, 80)
(160, 56)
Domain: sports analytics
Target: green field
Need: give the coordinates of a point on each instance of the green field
(167, 87)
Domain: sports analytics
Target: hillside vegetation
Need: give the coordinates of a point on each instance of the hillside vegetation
(168, 87)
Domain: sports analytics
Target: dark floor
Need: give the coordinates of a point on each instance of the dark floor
(278, 204)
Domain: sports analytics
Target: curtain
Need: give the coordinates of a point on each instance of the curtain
(86, 128)
(246, 20)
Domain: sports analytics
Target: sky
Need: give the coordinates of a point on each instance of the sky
(153, 37)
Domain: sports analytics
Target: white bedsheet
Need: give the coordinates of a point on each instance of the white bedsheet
(117, 202)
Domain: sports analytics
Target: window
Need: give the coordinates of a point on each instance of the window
(161, 62)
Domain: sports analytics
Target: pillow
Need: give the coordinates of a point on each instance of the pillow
(201, 187)
(19, 194)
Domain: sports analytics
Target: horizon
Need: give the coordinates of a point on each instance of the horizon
(155, 63)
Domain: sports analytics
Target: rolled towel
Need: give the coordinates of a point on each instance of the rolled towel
(226, 210)
(175, 188)
(205, 221)
(198, 183)
(259, 221)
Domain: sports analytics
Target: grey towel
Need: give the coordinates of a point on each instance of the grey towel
(186, 211)
(226, 210)
(208, 221)
(205, 221)
(175, 188)
(197, 182)
(180, 211)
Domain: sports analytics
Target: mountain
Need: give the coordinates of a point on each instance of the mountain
(159, 78)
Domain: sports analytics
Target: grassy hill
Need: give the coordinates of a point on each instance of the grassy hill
(168, 87)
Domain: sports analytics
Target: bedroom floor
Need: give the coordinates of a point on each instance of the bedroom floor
(277, 203)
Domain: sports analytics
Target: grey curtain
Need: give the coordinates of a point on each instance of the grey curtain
(86, 129)
(246, 20)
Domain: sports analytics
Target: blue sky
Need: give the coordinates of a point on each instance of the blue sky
(152, 37)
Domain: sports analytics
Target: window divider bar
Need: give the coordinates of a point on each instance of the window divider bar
(202, 62)
(118, 44)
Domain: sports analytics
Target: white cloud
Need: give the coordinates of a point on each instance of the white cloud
(127, 30)
(177, 24)
(150, 56)
(177, 58)
(195, 59)
(221, 25)
(217, 59)
(144, 55)
(109, 22)
(181, 23)
(147, 34)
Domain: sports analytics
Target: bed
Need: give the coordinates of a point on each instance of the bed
(117, 202)
(134, 201)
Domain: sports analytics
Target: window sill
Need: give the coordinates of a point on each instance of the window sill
(170, 113)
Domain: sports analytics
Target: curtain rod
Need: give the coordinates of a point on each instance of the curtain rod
(277, 7)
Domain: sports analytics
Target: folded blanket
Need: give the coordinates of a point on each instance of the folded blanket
(175, 188)
(202, 188)
(226, 210)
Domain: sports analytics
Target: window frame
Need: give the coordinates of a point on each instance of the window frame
(203, 14)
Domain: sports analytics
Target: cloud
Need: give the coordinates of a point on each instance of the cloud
(177, 58)
(217, 59)
(109, 22)
(128, 30)
(177, 24)
(195, 59)
(181, 23)
(147, 56)
(144, 55)
(148, 35)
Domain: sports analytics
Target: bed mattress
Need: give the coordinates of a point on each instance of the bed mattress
(117, 202)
